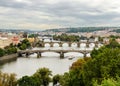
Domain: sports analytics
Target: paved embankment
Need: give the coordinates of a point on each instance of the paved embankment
(8, 58)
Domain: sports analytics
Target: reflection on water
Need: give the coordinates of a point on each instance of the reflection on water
(27, 66)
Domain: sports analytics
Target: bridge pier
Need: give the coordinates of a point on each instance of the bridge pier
(38, 54)
(84, 55)
(60, 44)
(42, 44)
(51, 44)
(42, 40)
(19, 54)
(78, 44)
(87, 45)
(61, 55)
(27, 54)
(96, 44)
(70, 44)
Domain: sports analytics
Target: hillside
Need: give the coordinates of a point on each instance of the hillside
(82, 29)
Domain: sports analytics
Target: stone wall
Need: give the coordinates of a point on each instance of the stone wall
(8, 58)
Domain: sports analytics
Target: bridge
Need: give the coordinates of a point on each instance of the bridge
(61, 52)
(70, 43)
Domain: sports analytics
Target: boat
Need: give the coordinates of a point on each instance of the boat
(71, 57)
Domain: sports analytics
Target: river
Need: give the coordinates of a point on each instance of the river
(28, 66)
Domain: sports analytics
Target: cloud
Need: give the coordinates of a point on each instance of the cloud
(43, 14)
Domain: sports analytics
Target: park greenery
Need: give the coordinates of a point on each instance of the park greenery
(24, 44)
(40, 77)
(101, 69)
(32, 35)
(11, 49)
(65, 37)
(74, 38)
(8, 50)
(8, 79)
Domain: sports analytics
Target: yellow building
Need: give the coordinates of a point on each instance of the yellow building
(31, 40)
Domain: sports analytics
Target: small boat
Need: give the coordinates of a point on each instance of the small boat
(70, 57)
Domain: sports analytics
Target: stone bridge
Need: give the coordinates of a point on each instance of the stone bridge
(61, 52)
(70, 43)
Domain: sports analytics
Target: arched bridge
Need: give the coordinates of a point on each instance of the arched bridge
(96, 43)
(61, 52)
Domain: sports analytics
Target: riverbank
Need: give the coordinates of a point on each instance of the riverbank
(8, 58)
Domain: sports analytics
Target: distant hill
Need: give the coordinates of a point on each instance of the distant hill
(82, 29)
(118, 30)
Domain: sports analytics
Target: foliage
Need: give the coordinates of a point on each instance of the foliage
(2, 52)
(56, 79)
(104, 64)
(75, 77)
(100, 39)
(25, 35)
(45, 74)
(33, 35)
(41, 77)
(24, 44)
(65, 37)
(114, 37)
(113, 44)
(29, 81)
(7, 79)
(78, 64)
(10, 49)
(109, 82)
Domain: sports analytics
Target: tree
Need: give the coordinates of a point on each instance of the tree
(113, 44)
(44, 74)
(30, 81)
(8, 79)
(2, 52)
(75, 77)
(25, 35)
(104, 64)
(23, 47)
(56, 79)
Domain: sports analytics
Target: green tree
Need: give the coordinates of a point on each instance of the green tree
(30, 81)
(44, 74)
(105, 63)
(56, 79)
(23, 47)
(75, 77)
(113, 44)
(2, 52)
(8, 79)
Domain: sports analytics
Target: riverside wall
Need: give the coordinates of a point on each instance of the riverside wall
(8, 58)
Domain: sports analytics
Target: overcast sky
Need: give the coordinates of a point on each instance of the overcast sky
(47, 14)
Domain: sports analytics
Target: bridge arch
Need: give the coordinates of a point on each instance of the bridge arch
(73, 44)
(65, 45)
(50, 54)
(82, 45)
(47, 44)
(92, 45)
(74, 54)
(100, 45)
(56, 45)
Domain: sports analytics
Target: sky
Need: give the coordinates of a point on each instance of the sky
(49, 14)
